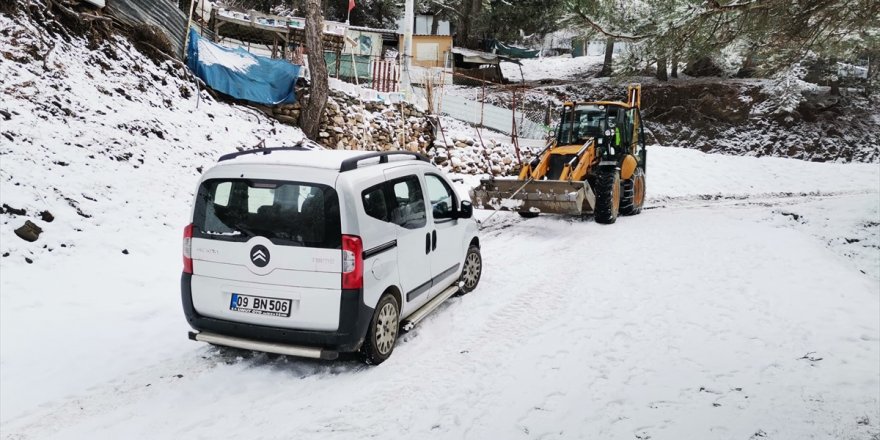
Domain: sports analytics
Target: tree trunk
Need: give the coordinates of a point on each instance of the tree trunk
(835, 78)
(473, 9)
(313, 110)
(872, 72)
(674, 66)
(662, 74)
(609, 54)
(416, 20)
(435, 24)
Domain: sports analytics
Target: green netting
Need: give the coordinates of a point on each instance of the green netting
(361, 63)
(515, 52)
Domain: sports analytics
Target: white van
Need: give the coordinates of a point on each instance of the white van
(316, 252)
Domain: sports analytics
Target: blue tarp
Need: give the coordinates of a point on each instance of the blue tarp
(240, 74)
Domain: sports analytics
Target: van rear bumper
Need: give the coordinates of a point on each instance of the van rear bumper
(354, 318)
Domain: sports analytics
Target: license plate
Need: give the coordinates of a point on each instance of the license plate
(260, 305)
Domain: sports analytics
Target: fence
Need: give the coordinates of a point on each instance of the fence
(493, 117)
(161, 13)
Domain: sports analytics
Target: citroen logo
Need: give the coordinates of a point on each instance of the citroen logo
(260, 256)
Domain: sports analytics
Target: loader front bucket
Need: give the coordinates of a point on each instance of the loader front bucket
(546, 196)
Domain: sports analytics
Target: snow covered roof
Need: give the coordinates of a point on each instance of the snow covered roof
(479, 57)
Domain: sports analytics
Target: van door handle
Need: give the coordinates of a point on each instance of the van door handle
(434, 239)
(427, 243)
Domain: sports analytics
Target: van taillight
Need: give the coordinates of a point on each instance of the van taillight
(187, 249)
(352, 262)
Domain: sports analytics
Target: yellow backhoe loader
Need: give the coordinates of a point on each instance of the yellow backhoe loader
(595, 164)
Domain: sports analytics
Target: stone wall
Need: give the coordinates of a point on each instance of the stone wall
(351, 124)
(465, 155)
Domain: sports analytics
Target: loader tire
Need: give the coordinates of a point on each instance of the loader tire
(527, 214)
(632, 196)
(607, 196)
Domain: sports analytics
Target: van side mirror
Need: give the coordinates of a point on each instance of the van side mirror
(467, 210)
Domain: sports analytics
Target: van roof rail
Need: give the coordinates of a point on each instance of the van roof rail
(260, 151)
(352, 163)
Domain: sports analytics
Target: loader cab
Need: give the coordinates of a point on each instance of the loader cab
(611, 123)
(600, 120)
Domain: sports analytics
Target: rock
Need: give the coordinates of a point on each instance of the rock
(125, 251)
(323, 134)
(29, 231)
(10, 210)
(47, 216)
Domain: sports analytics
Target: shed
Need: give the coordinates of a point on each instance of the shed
(430, 50)
(471, 65)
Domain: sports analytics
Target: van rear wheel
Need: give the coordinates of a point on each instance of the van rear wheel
(383, 331)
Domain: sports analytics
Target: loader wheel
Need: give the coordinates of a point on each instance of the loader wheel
(632, 197)
(607, 195)
(382, 333)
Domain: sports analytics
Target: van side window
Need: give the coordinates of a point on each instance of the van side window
(441, 195)
(407, 203)
(374, 202)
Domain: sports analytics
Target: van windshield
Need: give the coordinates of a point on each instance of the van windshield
(287, 213)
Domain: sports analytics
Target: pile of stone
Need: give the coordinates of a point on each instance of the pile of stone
(462, 154)
(351, 124)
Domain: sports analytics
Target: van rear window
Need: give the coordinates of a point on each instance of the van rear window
(287, 213)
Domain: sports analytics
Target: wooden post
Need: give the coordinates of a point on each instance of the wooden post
(186, 33)
(201, 18)
(513, 137)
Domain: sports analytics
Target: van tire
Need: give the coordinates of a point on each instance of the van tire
(383, 331)
(472, 270)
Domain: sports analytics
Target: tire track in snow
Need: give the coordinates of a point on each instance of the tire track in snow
(478, 352)
(141, 385)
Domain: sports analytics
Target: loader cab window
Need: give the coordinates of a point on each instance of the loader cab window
(581, 123)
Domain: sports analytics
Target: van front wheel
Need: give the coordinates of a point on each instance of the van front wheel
(473, 268)
(383, 331)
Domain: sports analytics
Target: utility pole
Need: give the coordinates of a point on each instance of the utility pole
(408, 16)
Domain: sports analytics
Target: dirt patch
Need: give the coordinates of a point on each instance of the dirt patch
(730, 117)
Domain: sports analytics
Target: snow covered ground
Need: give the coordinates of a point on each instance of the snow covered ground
(558, 67)
(744, 303)
(731, 309)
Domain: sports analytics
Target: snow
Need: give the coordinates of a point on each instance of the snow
(557, 67)
(210, 54)
(743, 303)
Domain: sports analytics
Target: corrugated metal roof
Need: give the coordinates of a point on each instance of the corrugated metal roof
(160, 13)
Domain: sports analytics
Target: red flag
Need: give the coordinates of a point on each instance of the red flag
(350, 5)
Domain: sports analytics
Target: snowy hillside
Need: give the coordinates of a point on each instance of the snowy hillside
(741, 304)
(97, 136)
